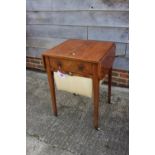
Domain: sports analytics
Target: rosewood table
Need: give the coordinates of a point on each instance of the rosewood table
(86, 58)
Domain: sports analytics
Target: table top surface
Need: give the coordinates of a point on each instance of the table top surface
(84, 50)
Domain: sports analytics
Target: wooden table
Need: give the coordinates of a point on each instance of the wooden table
(86, 58)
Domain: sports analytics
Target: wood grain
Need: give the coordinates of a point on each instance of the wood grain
(83, 50)
(51, 85)
(95, 97)
(109, 85)
(71, 66)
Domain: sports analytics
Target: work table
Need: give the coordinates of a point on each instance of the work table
(84, 58)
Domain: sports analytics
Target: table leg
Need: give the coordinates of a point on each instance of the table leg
(52, 86)
(96, 99)
(109, 85)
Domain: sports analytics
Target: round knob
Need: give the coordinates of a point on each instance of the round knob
(70, 73)
(81, 67)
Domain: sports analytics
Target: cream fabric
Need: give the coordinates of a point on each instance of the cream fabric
(74, 84)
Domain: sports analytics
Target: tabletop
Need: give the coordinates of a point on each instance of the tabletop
(83, 50)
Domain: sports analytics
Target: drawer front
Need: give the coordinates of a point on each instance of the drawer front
(71, 66)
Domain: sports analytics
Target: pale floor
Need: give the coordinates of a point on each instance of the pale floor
(72, 132)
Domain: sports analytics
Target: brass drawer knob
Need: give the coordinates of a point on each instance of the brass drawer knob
(70, 73)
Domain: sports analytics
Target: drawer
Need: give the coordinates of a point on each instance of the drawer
(70, 66)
